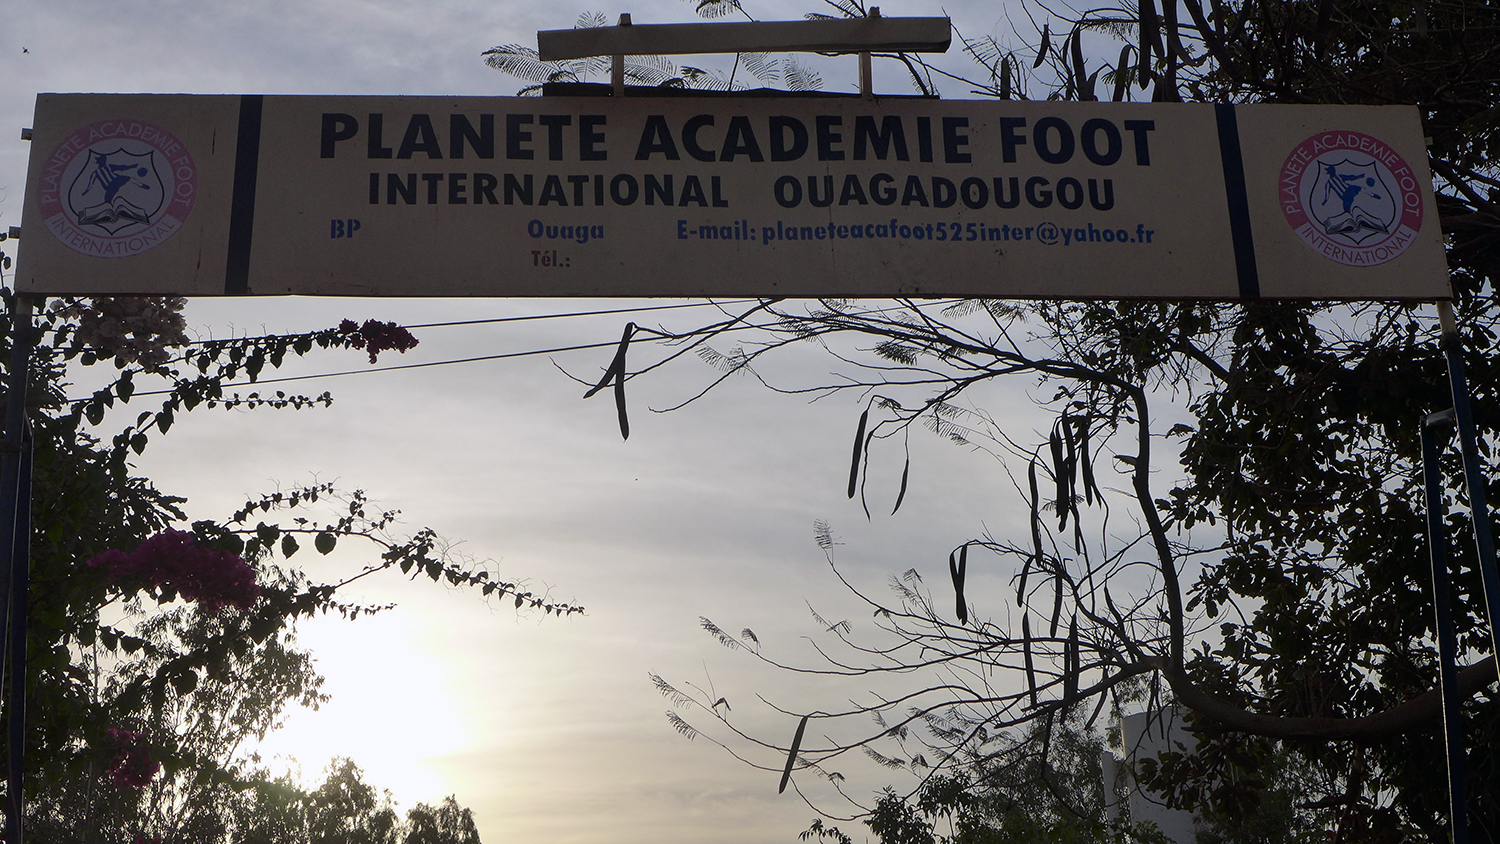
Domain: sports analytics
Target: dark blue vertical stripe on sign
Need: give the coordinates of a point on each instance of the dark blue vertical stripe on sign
(242, 202)
(1239, 202)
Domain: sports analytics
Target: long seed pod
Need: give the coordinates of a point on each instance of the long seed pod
(957, 571)
(1088, 727)
(859, 445)
(1148, 27)
(1070, 467)
(620, 406)
(1036, 533)
(1210, 37)
(1056, 605)
(1026, 654)
(901, 494)
(1174, 41)
(616, 373)
(1071, 663)
(1122, 74)
(1005, 77)
(1325, 13)
(1041, 50)
(791, 757)
(1054, 443)
(1086, 463)
(1080, 75)
(1174, 48)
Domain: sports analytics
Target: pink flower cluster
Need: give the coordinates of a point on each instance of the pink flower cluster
(136, 329)
(132, 765)
(173, 559)
(376, 337)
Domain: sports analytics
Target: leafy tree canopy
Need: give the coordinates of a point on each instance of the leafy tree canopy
(161, 651)
(1225, 502)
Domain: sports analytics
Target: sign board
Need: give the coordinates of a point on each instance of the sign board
(639, 196)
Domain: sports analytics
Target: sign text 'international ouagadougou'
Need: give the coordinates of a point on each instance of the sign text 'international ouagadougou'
(502, 196)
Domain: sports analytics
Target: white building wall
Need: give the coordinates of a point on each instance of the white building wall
(1146, 736)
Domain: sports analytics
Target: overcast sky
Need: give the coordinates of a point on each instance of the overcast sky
(548, 728)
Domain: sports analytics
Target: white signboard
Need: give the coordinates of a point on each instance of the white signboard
(838, 197)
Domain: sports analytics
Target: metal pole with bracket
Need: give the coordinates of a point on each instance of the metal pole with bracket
(1474, 476)
(1433, 427)
(15, 543)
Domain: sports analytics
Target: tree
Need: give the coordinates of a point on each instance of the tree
(1272, 578)
(446, 823)
(160, 651)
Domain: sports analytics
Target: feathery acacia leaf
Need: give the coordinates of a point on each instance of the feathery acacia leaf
(669, 692)
(681, 726)
(725, 639)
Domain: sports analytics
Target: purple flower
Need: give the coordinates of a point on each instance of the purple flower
(173, 559)
(132, 765)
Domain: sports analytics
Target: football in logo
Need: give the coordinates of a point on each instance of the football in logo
(1351, 198)
(117, 188)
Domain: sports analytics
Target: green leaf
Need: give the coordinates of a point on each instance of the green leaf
(288, 545)
(125, 386)
(324, 542)
(185, 682)
(256, 362)
(138, 443)
(94, 412)
(267, 533)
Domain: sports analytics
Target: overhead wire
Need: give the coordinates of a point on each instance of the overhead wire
(563, 315)
(510, 355)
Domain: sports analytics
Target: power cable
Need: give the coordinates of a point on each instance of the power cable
(423, 365)
(506, 355)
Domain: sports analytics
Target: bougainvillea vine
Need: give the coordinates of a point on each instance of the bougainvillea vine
(173, 559)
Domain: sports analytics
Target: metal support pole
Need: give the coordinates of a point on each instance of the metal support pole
(15, 536)
(866, 74)
(1437, 546)
(1468, 441)
(617, 65)
(19, 595)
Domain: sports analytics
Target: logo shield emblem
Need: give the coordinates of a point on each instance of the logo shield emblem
(116, 190)
(1351, 201)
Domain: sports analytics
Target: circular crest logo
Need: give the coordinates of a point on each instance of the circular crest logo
(1351, 198)
(117, 188)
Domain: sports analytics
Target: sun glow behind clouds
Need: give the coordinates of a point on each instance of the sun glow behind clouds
(393, 708)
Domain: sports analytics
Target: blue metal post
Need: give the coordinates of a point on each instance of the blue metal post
(1437, 546)
(15, 541)
(1468, 442)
